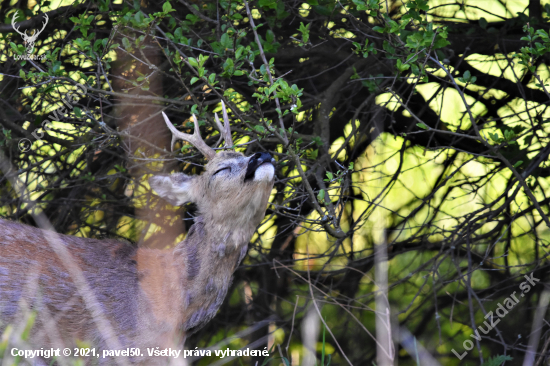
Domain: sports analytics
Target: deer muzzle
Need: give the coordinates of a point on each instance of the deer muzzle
(256, 161)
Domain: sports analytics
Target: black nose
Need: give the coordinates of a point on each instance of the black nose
(255, 161)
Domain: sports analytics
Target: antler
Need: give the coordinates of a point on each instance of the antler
(13, 25)
(195, 139)
(46, 21)
(225, 130)
(37, 32)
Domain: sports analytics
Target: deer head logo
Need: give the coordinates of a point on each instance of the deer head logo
(29, 40)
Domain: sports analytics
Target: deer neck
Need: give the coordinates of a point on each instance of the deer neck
(208, 256)
(189, 283)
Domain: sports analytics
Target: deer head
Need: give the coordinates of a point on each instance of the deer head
(233, 187)
(29, 40)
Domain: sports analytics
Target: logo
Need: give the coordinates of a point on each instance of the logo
(28, 41)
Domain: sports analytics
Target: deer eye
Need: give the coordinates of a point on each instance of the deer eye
(222, 169)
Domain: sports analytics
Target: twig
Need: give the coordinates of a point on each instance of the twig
(268, 70)
(196, 12)
(319, 312)
(336, 232)
(292, 326)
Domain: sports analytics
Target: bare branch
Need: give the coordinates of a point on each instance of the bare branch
(264, 59)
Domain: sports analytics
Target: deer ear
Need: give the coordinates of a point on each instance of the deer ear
(177, 188)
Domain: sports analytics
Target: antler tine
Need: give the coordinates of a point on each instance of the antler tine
(220, 128)
(227, 130)
(195, 139)
(13, 23)
(46, 18)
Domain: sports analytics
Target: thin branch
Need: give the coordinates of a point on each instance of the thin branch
(197, 13)
(268, 70)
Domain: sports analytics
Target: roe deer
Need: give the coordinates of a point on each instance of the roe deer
(151, 298)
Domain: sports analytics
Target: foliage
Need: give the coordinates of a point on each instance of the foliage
(497, 360)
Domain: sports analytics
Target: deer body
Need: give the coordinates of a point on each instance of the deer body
(31, 272)
(150, 297)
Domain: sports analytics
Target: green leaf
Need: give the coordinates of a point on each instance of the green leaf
(167, 7)
(211, 78)
(217, 47)
(483, 23)
(270, 36)
(192, 18)
(497, 360)
(272, 4)
(78, 112)
(422, 126)
(440, 42)
(388, 47)
(193, 62)
(402, 67)
(423, 5)
(202, 59)
(138, 17)
(126, 43)
(259, 129)
(322, 10)
(56, 66)
(518, 163)
(321, 195)
(495, 137)
(239, 52)
(194, 79)
(329, 175)
(360, 5)
(229, 66)
(225, 40)
(15, 48)
(271, 89)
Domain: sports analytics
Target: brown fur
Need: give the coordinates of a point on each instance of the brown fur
(150, 297)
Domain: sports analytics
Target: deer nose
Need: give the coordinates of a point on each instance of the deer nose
(263, 157)
(255, 161)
